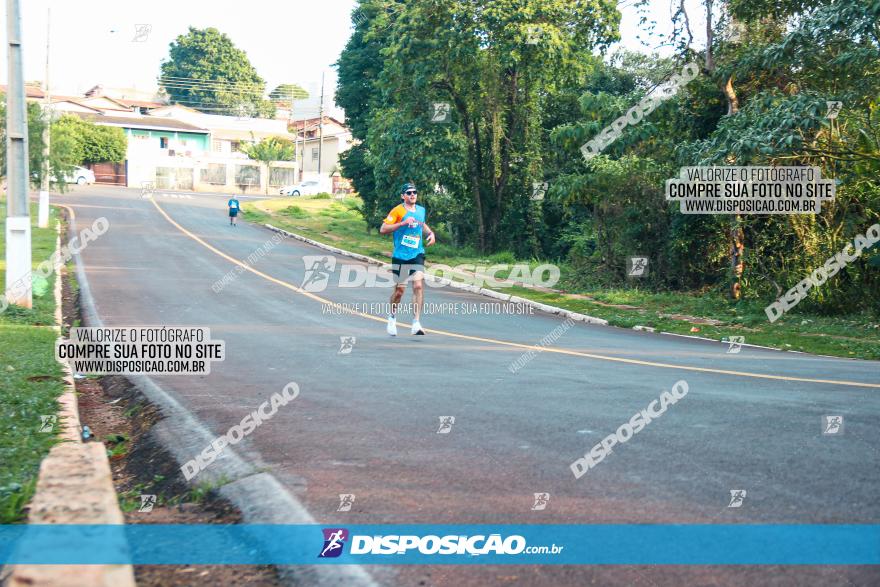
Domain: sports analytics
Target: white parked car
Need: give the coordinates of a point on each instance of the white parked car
(80, 176)
(309, 187)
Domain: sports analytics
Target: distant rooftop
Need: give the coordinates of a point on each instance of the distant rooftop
(144, 122)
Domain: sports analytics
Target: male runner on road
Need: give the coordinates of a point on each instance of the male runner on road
(233, 206)
(407, 222)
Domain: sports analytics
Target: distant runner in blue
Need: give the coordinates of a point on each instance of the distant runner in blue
(234, 207)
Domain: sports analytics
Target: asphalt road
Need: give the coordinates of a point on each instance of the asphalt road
(366, 422)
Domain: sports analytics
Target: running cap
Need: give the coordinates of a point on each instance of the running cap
(407, 186)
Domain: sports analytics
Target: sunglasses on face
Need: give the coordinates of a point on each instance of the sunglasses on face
(411, 192)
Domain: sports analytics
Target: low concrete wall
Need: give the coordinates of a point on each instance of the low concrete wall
(208, 173)
(75, 486)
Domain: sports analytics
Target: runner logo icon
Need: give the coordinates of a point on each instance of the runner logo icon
(541, 500)
(47, 423)
(346, 344)
(737, 496)
(318, 271)
(147, 502)
(334, 541)
(735, 344)
(346, 500)
(637, 266)
(446, 423)
(832, 424)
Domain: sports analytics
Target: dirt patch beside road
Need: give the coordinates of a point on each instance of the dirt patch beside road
(121, 417)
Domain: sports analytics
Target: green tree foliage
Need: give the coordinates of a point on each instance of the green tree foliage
(35, 124)
(66, 152)
(521, 110)
(791, 58)
(92, 143)
(613, 207)
(283, 94)
(104, 144)
(268, 151)
(206, 71)
(830, 52)
(359, 93)
(71, 139)
(493, 62)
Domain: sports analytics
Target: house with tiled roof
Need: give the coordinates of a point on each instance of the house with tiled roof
(175, 147)
(33, 91)
(228, 133)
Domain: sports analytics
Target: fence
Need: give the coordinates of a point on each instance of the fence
(208, 173)
(109, 173)
(174, 178)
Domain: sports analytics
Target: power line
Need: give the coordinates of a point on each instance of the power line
(187, 81)
(230, 107)
(219, 81)
(213, 88)
(229, 89)
(174, 79)
(201, 100)
(199, 92)
(243, 97)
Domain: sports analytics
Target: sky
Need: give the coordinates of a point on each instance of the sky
(96, 41)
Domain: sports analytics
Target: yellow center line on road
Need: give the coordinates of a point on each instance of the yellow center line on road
(507, 343)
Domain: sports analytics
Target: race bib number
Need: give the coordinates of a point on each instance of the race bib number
(233, 205)
(410, 240)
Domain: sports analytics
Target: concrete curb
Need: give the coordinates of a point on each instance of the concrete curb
(449, 283)
(259, 496)
(75, 486)
(518, 300)
(73, 468)
(69, 411)
(745, 344)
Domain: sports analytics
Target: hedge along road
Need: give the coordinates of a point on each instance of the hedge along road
(366, 422)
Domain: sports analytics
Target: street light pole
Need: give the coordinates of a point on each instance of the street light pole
(18, 221)
(43, 210)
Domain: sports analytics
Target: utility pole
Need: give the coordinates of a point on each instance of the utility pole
(321, 129)
(43, 210)
(18, 220)
(295, 141)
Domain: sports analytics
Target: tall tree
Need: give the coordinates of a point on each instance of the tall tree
(802, 54)
(492, 62)
(359, 94)
(206, 71)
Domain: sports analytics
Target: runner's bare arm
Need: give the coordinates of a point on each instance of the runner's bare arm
(393, 221)
(430, 240)
(388, 228)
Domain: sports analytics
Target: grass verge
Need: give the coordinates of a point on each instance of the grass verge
(30, 378)
(337, 223)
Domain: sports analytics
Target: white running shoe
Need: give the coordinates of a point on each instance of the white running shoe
(417, 328)
(391, 328)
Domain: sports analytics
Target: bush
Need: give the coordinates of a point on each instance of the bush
(353, 204)
(295, 212)
(322, 196)
(503, 257)
(96, 144)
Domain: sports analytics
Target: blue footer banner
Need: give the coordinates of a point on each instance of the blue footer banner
(421, 544)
